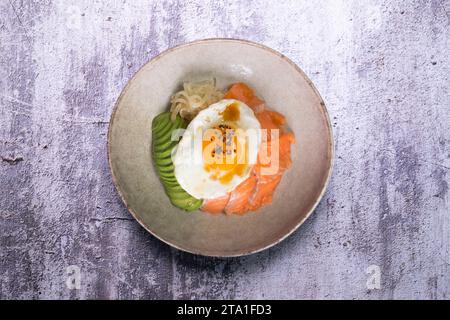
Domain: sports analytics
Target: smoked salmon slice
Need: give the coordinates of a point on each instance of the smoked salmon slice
(264, 191)
(240, 91)
(239, 196)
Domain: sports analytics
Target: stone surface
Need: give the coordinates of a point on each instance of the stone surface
(381, 66)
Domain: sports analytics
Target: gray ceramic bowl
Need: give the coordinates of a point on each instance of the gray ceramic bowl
(282, 85)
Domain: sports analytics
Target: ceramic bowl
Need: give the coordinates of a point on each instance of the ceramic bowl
(283, 86)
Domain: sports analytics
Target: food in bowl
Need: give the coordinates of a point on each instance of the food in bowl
(220, 152)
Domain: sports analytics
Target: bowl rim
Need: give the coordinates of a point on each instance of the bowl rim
(331, 146)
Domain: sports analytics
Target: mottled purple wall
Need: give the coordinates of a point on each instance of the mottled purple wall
(383, 69)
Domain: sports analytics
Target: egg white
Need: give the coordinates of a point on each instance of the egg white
(187, 158)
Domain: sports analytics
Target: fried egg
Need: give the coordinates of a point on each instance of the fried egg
(217, 150)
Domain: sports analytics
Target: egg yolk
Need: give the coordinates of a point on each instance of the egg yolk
(231, 112)
(225, 151)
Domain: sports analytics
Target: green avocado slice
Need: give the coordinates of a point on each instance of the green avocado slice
(165, 133)
(162, 146)
(189, 204)
(163, 162)
(160, 121)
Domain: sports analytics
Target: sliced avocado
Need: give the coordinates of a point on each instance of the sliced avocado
(160, 122)
(167, 146)
(171, 184)
(167, 176)
(174, 189)
(178, 195)
(163, 162)
(166, 132)
(167, 137)
(163, 154)
(162, 146)
(191, 204)
(166, 169)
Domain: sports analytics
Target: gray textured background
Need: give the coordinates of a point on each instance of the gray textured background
(383, 69)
